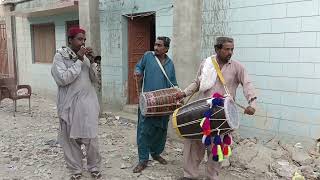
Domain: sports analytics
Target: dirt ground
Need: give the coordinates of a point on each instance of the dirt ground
(28, 148)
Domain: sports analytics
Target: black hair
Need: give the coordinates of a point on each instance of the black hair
(166, 41)
(221, 40)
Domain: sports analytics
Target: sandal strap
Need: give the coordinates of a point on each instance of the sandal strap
(76, 176)
(96, 174)
(140, 167)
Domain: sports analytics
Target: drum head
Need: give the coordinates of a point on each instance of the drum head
(231, 112)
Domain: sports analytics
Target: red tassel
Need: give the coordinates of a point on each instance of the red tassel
(225, 150)
(227, 139)
(207, 132)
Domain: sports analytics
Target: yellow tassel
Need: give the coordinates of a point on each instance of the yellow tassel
(229, 151)
(220, 153)
(202, 121)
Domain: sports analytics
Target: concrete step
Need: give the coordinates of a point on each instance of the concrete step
(130, 108)
(133, 117)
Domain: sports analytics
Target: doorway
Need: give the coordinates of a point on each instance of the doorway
(141, 38)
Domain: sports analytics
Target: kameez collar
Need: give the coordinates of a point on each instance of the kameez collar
(67, 52)
(167, 58)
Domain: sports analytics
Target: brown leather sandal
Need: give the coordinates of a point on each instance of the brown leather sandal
(160, 159)
(140, 167)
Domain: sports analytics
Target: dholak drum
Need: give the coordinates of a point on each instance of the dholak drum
(159, 103)
(186, 120)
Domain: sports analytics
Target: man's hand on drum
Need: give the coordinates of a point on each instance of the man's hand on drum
(249, 110)
(180, 95)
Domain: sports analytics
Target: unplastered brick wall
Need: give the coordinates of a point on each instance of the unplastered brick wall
(278, 41)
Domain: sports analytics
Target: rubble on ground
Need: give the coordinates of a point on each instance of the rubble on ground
(29, 150)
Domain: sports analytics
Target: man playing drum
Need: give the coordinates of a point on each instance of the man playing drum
(206, 83)
(152, 131)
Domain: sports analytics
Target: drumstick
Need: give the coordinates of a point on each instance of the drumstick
(228, 94)
(137, 85)
(190, 97)
(240, 106)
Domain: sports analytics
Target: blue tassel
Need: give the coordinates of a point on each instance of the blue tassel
(215, 158)
(217, 102)
(208, 113)
(207, 141)
(217, 140)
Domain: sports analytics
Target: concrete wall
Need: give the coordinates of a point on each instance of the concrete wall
(278, 42)
(36, 4)
(38, 75)
(114, 41)
(186, 51)
(90, 21)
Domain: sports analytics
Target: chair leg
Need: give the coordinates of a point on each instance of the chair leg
(29, 106)
(14, 108)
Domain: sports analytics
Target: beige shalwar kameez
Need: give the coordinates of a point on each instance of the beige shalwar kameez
(193, 153)
(78, 109)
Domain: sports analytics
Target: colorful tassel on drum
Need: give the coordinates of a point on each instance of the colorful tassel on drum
(206, 127)
(227, 141)
(206, 140)
(217, 99)
(217, 95)
(217, 154)
(217, 102)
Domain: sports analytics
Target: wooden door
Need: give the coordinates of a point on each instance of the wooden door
(139, 41)
(44, 43)
(4, 66)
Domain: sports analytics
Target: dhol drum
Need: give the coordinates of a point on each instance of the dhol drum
(159, 103)
(186, 120)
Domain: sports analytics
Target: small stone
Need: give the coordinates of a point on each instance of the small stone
(284, 169)
(15, 159)
(225, 163)
(125, 165)
(30, 163)
(301, 156)
(5, 160)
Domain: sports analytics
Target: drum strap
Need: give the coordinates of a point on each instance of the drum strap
(163, 71)
(216, 66)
